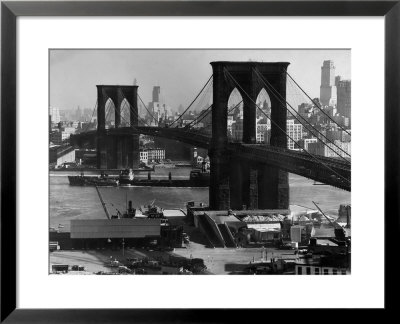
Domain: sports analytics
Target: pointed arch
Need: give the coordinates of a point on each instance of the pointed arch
(125, 110)
(264, 101)
(235, 116)
(110, 113)
(263, 115)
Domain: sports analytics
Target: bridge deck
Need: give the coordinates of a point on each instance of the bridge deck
(334, 172)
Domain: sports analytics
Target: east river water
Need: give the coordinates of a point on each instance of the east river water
(74, 202)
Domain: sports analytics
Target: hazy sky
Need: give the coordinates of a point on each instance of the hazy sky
(181, 74)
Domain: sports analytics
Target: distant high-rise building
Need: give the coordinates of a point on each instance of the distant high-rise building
(159, 110)
(54, 112)
(156, 93)
(328, 88)
(344, 98)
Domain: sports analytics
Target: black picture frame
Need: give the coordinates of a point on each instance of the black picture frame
(11, 10)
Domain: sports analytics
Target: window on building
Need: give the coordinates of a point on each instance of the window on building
(308, 270)
(299, 270)
(344, 272)
(316, 271)
(334, 271)
(326, 271)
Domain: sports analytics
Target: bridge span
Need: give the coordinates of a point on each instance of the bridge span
(243, 174)
(291, 161)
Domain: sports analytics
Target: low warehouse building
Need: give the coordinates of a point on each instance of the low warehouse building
(114, 233)
(117, 234)
(115, 228)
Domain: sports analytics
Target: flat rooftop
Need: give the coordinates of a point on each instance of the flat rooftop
(173, 213)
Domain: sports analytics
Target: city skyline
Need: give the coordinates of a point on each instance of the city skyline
(233, 170)
(178, 77)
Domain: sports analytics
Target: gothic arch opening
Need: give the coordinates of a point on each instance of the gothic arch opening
(263, 115)
(235, 116)
(125, 113)
(110, 113)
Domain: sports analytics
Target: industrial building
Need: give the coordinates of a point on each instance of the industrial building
(118, 233)
(238, 227)
(59, 155)
(328, 257)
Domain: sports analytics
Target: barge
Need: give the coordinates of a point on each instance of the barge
(101, 181)
(197, 178)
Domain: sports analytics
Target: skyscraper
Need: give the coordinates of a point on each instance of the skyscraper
(156, 93)
(344, 98)
(328, 88)
(159, 110)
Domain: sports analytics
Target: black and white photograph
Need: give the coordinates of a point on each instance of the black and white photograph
(199, 161)
(149, 145)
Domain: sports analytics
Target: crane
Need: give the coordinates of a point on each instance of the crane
(103, 203)
(340, 233)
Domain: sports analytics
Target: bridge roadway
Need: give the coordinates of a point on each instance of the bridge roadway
(331, 171)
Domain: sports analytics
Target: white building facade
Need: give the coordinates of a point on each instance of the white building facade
(295, 132)
(151, 155)
(144, 156)
(54, 112)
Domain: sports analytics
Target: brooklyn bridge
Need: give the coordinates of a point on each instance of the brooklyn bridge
(242, 173)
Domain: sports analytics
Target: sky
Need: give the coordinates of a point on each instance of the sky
(181, 74)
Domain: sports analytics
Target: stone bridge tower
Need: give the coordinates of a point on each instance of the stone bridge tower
(117, 151)
(235, 182)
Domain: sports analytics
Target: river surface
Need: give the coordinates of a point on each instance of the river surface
(74, 202)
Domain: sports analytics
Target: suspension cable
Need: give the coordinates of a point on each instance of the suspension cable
(272, 121)
(139, 118)
(318, 105)
(205, 115)
(284, 102)
(151, 115)
(131, 110)
(196, 121)
(209, 110)
(90, 120)
(201, 101)
(191, 102)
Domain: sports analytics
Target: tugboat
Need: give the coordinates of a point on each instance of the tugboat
(152, 211)
(126, 177)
